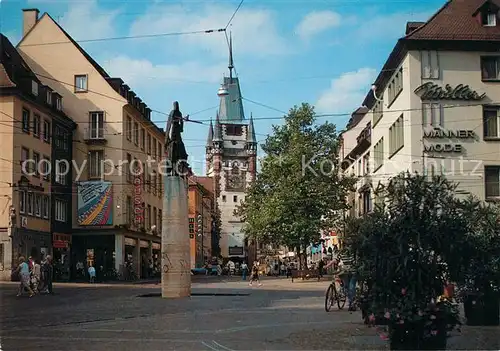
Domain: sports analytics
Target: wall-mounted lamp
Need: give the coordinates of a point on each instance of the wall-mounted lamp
(374, 90)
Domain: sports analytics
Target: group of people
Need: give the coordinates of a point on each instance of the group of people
(35, 276)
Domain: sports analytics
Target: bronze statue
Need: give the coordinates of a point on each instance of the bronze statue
(175, 152)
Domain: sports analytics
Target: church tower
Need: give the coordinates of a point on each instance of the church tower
(231, 159)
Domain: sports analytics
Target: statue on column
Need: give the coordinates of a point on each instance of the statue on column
(175, 151)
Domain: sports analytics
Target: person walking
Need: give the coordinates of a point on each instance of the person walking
(23, 270)
(92, 274)
(49, 271)
(255, 275)
(36, 276)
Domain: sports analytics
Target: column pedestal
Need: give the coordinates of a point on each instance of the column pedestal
(175, 246)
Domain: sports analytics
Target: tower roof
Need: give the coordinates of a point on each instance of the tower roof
(231, 105)
(210, 134)
(251, 132)
(217, 130)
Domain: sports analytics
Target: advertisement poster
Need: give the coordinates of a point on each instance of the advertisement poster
(95, 205)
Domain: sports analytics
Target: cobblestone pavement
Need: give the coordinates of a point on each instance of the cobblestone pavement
(279, 315)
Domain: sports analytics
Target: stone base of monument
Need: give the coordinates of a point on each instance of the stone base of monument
(175, 242)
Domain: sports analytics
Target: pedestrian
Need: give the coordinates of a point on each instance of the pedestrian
(49, 268)
(348, 274)
(23, 270)
(244, 270)
(255, 275)
(36, 276)
(92, 274)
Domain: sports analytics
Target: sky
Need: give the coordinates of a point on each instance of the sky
(324, 52)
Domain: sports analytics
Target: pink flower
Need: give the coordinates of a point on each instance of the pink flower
(403, 291)
(434, 332)
(433, 316)
(371, 318)
(384, 337)
(387, 315)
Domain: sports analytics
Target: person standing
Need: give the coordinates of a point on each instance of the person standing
(50, 274)
(92, 274)
(244, 270)
(23, 270)
(36, 276)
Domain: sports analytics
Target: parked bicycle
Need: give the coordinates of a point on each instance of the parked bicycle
(336, 293)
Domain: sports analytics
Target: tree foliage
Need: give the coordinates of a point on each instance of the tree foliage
(299, 190)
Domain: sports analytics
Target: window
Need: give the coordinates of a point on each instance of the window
(160, 184)
(158, 150)
(149, 216)
(148, 180)
(378, 154)
(26, 120)
(223, 198)
(136, 133)
(396, 86)
(36, 125)
(160, 220)
(61, 172)
(38, 205)
(490, 68)
(489, 19)
(36, 163)
(235, 198)
(432, 115)
(34, 87)
(396, 136)
(359, 172)
(97, 125)
(128, 171)
(58, 103)
(154, 148)
(491, 119)
(46, 131)
(129, 210)
(430, 64)
(46, 167)
(45, 207)
(22, 201)
(234, 129)
(149, 144)
(25, 155)
(154, 182)
(378, 112)
(81, 83)
(129, 128)
(30, 203)
(49, 97)
(492, 181)
(367, 202)
(60, 211)
(96, 158)
(143, 138)
(366, 164)
(155, 217)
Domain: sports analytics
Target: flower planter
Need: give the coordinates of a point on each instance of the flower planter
(483, 310)
(412, 337)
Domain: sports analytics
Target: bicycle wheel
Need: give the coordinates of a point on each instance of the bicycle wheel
(341, 295)
(330, 297)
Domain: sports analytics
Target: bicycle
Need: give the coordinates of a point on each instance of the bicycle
(336, 292)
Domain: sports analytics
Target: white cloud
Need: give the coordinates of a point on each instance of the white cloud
(317, 22)
(143, 73)
(254, 30)
(346, 92)
(86, 20)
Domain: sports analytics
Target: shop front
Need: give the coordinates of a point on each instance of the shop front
(61, 247)
(27, 242)
(92, 250)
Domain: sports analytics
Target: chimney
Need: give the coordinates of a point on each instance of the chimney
(30, 17)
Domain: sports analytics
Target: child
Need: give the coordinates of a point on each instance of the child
(92, 274)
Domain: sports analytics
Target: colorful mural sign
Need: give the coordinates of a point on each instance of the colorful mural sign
(95, 203)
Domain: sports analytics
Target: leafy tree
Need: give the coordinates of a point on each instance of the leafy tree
(299, 190)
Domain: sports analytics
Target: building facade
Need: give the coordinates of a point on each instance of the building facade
(436, 107)
(117, 190)
(201, 212)
(231, 157)
(35, 182)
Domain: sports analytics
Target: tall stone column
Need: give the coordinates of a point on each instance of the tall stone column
(175, 245)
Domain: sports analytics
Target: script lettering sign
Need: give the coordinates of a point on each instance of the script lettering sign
(431, 91)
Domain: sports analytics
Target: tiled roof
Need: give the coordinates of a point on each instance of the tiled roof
(206, 182)
(456, 20)
(231, 105)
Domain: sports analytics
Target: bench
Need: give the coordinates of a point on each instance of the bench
(305, 274)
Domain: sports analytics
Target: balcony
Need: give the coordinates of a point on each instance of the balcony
(364, 140)
(94, 136)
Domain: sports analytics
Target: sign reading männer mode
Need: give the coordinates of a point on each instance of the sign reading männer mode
(438, 133)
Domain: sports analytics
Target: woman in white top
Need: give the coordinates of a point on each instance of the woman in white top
(36, 276)
(24, 276)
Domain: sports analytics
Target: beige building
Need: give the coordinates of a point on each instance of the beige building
(36, 137)
(435, 108)
(117, 207)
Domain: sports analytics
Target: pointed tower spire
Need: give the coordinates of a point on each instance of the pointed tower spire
(231, 64)
(251, 131)
(210, 134)
(217, 130)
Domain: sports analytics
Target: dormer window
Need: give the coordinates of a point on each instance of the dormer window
(58, 103)
(49, 97)
(490, 19)
(34, 87)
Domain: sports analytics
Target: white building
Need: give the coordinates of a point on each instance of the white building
(436, 107)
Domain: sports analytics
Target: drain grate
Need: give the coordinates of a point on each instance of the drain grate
(198, 294)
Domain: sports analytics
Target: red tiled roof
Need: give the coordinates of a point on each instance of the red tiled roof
(206, 182)
(456, 21)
